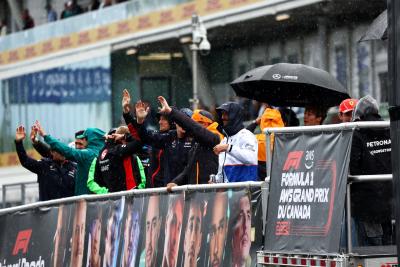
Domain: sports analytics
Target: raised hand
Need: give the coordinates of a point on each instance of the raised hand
(165, 108)
(33, 134)
(20, 133)
(39, 129)
(126, 101)
(142, 110)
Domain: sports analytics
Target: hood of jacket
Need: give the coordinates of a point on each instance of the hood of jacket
(271, 118)
(213, 127)
(367, 109)
(95, 138)
(235, 118)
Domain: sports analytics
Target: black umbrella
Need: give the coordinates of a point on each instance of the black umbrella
(378, 29)
(286, 84)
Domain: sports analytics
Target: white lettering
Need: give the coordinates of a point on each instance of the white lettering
(302, 212)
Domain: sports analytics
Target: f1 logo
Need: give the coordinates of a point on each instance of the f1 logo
(293, 160)
(22, 241)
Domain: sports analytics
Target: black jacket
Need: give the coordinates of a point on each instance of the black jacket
(370, 154)
(116, 166)
(55, 180)
(169, 153)
(201, 159)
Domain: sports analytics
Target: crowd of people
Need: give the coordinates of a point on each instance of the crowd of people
(190, 147)
(196, 147)
(71, 8)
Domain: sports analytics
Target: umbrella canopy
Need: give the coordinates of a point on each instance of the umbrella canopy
(286, 84)
(378, 29)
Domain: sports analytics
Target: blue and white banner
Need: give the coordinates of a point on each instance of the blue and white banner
(62, 85)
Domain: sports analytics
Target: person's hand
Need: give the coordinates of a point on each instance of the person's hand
(33, 134)
(170, 186)
(165, 108)
(220, 148)
(126, 101)
(109, 137)
(118, 137)
(39, 129)
(142, 110)
(20, 133)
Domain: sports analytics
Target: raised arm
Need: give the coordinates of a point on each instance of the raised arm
(201, 134)
(68, 152)
(39, 146)
(35, 166)
(153, 138)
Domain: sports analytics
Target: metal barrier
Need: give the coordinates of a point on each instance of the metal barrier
(20, 193)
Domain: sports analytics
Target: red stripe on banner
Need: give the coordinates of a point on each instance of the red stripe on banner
(293, 261)
(333, 264)
(313, 262)
(275, 259)
(266, 259)
(129, 178)
(303, 262)
(322, 263)
(284, 260)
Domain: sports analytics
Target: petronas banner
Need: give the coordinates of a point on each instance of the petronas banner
(307, 191)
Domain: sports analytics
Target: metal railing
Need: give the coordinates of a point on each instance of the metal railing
(19, 193)
(130, 192)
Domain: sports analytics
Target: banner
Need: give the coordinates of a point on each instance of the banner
(307, 192)
(62, 85)
(191, 228)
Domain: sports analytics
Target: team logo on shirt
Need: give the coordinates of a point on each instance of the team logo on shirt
(103, 154)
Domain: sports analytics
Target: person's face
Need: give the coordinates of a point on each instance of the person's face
(218, 230)
(152, 230)
(180, 131)
(193, 236)
(164, 124)
(80, 143)
(57, 235)
(95, 243)
(110, 238)
(225, 117)
(310, 117)
(57, 156)
(204, 124)
(241, 242)
(79, 234)
(127, 241)
(173, 227)
(345, 117)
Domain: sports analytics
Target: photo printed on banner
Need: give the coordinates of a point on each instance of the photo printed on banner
(94, 221)
(217, 228)
(78, 234)
(172, 229)
(60, 255)
(152, 223)
(112, 230)
(131, 231)
(239, 239)
(190, 253)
